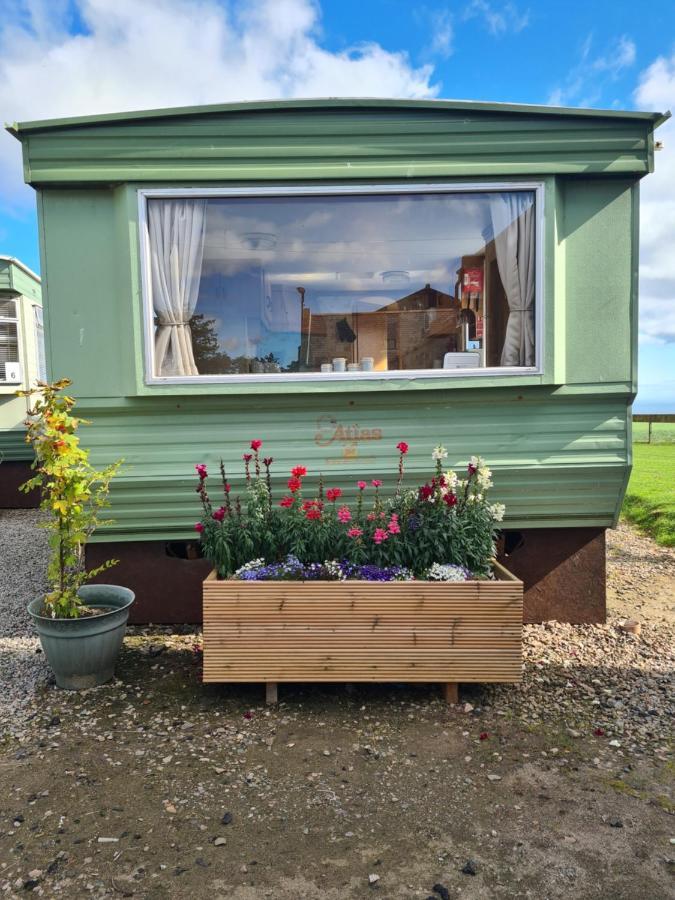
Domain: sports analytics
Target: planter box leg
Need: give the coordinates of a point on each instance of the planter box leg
(451, 692)
(271, 692)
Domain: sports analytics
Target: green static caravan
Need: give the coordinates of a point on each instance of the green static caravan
(334, 276)
(22, 362)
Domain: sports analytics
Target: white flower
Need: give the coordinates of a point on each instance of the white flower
(439, 453)
(451, 480)
(447, 572)
(484, 477)
(497, 510)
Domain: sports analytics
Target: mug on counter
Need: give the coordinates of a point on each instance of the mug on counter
(339, 364)
(367, 364)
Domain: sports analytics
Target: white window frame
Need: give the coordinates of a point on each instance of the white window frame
(40, 349)
(14, 320)
(145, 194)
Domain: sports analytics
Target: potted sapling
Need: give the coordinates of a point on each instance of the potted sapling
(81, 626)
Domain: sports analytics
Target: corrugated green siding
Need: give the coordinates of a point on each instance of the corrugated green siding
(16, 280)
(558, 442)
(337, 143)
(13, 445)
(558, 460)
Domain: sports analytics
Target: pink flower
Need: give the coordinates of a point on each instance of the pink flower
(201, 470)
(402, 447)
(354, 532)
(332, 494)
(247, 457)
(294, 484)
(199, 527)
(380, 535)
(227, 487)
(375, 483)
(370, 517)
(313, 514)
(256, 445)
(287, 501)
(343, 514)
(394, 527)
(219, 514)
(298, 471)
(361, 485)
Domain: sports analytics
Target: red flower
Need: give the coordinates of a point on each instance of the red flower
(199, 527)
(227, 487)
(450, 499)
(201, 470)
(313, 514)
(402, 447)
(361, 485)
(426, 491)
(375, 483)
(483, 736)
(294, 484)
(333, 494)
(248, 714)
(471, 469)
(256, 445)
(380, 535)
(219, 514)
(267, 461)
(311, 504)
(287, 501)
(599, 732)
(344, 515)
(298, 471)
(247, 457)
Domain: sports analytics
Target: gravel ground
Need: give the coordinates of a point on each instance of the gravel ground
(167, 788)
(22, 664)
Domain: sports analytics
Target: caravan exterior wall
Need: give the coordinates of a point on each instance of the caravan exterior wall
(557, 436)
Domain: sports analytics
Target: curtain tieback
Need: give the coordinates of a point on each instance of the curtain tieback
(174, 324)
(519, 308)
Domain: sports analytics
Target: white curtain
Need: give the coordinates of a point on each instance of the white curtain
(176, 229)
(513, 227)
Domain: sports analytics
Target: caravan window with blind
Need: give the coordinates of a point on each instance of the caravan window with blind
(340, 284)
(9, 343)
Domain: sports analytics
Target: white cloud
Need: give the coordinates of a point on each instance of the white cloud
(131, 55)
(499, 19)
(442, 33)
(656, 91)
(592, 74)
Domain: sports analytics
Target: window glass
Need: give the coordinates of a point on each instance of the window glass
(40, 343)
(9, 339)
(342, 283)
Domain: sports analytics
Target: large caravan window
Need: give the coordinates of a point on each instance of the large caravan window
(341, 285)
(9, 343)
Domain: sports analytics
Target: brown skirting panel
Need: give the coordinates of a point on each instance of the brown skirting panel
(563, 570)
(12, 474)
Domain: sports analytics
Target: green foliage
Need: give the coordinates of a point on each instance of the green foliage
(650, 499)
(447, 520)
(72, 492)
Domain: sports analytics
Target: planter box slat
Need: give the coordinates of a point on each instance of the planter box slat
(363, 631)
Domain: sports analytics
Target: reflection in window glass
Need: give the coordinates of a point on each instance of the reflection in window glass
(320, 284)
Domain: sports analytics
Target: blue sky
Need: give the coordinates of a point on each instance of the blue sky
(66, 57)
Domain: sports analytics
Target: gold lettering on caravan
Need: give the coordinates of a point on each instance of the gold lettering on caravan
(330, 431)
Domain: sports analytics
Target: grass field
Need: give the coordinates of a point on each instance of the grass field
(650, 499)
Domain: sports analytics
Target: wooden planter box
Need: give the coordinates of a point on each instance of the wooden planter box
(450, 632)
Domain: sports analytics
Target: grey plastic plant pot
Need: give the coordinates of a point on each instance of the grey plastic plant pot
(82, 652)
